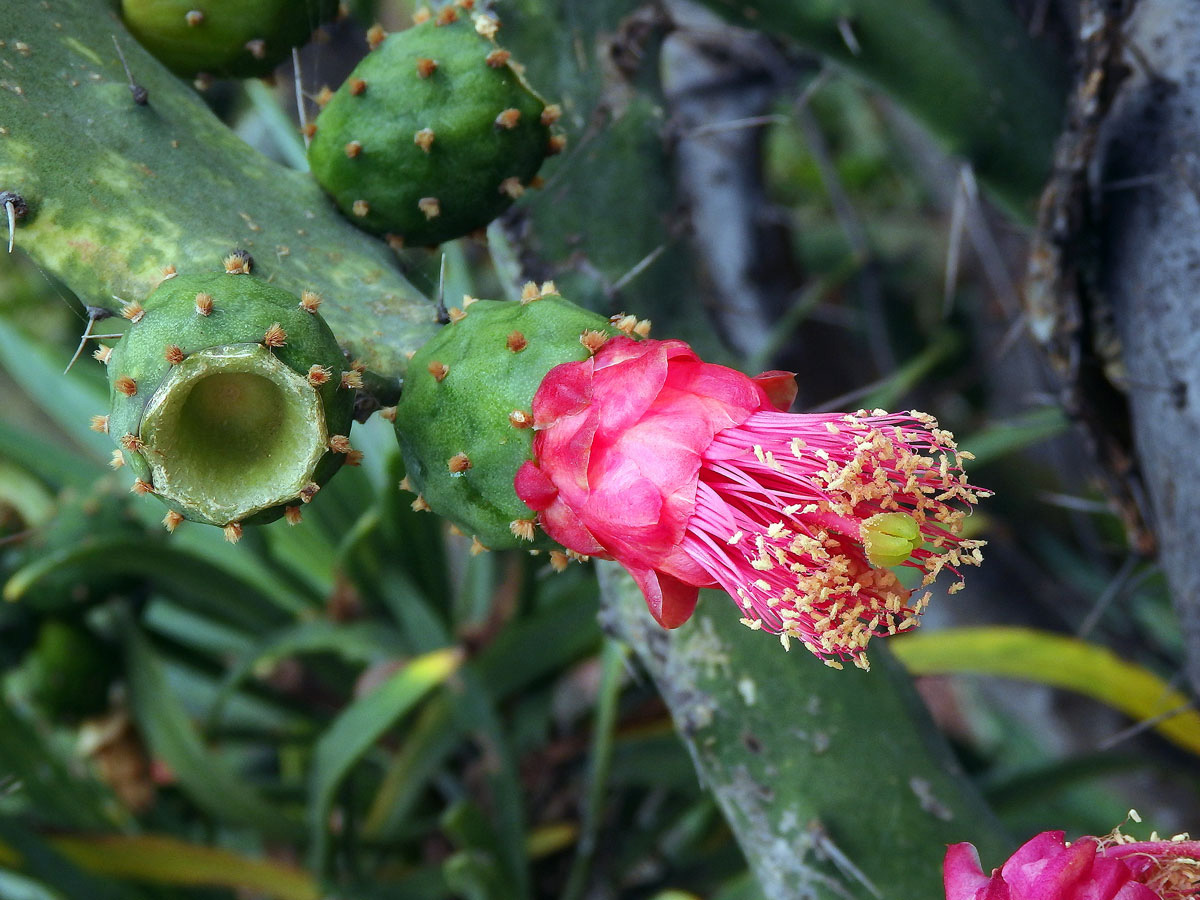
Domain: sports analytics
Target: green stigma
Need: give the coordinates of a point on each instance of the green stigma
(890, 538)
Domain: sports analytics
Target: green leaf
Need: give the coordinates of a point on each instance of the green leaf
(43, 862)
(613, 666)
(18, 887)
(191, 581)
(361, 642)
(56, 794)
(163, 859)
(57, 466)
(70, 400)
(999, 439)
(204, 777)
(360, 725)
(1059, 661)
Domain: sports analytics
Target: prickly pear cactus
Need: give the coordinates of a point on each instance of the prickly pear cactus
(434, 134)
(464, 420)
(231, 400)
(233, 38)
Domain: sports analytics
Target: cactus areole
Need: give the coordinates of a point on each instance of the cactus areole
(225, 397)
(234, 38)
(463, 420)
(433, 135)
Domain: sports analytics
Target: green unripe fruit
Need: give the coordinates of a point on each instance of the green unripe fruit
(464, 419)
(229, 399)
(69, 670)
(433, 135)
(234, 38)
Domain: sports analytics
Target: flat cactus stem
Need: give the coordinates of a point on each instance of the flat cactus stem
(835, 783)
(969, 71)
(118, 191)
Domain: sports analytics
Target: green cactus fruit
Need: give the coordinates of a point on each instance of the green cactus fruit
(227, 38)
(229, 399)
(43, 580)
(69, 670)
(464, 419)
(433, 135)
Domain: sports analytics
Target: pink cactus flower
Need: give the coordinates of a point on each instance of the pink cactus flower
(1046, 867)
(692, 475)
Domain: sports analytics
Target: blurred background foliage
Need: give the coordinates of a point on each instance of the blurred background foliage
(358, 707)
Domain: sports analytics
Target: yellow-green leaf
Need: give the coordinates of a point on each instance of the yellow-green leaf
(167, 860)
(1059, 661)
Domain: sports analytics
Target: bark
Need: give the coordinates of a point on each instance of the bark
(1148, 185)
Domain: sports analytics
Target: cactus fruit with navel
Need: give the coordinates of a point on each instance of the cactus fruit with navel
(434, 134)
(464, 422)
(225, 38)
(231, 400)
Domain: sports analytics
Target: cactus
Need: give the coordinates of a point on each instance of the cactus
(223, 37)
(230, 399)
(434, 134)
(464, 420)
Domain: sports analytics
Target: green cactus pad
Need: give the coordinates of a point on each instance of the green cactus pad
(432, 136)
(234, 38)
(220, 414)
(462, 387)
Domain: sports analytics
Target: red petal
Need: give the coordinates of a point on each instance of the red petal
(566, 389)
(963, 875)
(669, 600)
(562, 524)
(780, 388)
(533, 487)
(624, 391)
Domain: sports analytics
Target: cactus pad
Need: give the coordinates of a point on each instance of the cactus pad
(433, 135)
(234, 38)
(226, 394)
(464, 420)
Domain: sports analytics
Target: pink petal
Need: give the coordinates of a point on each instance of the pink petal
(561, 523)
(780, 388)
(533, 487)
(669, 600)
(566, 389)
(625, 390)
(1039, 871)
(963, 875)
